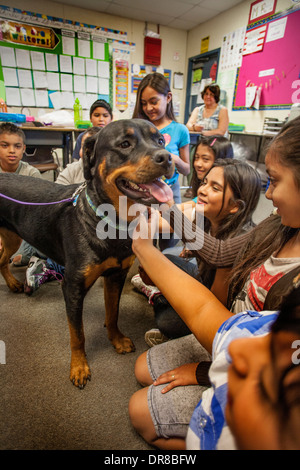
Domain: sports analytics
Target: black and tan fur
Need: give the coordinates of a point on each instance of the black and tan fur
(124, 152)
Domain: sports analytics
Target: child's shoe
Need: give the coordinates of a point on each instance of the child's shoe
(149, 291)
(154, 337)
(37, 274)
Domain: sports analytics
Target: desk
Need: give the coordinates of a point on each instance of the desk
(248, 138)
(55, 137)
(244, 138)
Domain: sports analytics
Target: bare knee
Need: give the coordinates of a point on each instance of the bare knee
(140, 416)
(141, 370)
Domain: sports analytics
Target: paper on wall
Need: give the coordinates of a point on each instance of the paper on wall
(78, 66)
(250, 95)
(23, 59)
(91, 84)
(51, 62)
(91, 67)
(104, 86)
(98, 50)
(257, 98)
(12, 96)
(276, 29)
(55, 98)
(68, 44)
(25, 78)
(67, 98)
(7, 55)
(40, 79)
(41, 98)
(27, 97)
(103, 69)
(65, 62)
(10, 76)
(53, 81)
(79, 83)
(66, 82)
(37, 60)
(84, 48)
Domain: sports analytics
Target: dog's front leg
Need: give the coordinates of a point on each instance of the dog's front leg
(80, 372)
(113, 285)
(10, 243)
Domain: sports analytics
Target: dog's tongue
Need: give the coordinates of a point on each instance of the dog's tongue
(160, 190)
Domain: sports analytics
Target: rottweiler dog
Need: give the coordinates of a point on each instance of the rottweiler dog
(126, 158)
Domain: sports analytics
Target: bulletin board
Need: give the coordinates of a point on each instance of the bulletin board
(49, 62)
(276, 67)
(140, 71)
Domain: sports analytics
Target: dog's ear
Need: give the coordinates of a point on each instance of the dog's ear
(88, 156)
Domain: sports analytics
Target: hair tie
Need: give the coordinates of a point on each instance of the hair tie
(213, 142)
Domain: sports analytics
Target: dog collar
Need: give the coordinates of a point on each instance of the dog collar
(91, 204)
(102, 216)
(75, 195)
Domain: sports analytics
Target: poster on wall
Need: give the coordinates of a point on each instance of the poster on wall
(121, 84)
(261, 9)
(138, 72)
(254, 40)
(275, 69)
(231, 51)
(48, 57)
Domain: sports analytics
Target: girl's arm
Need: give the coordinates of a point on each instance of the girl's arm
(182, 162)
(197, 306)
(186, 207)
(217, 253)
(223, 124)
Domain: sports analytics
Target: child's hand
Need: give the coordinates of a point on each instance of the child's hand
(183, 375)
(186, 254)
(145, 230)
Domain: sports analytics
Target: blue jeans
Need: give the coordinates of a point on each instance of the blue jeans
(168, 321)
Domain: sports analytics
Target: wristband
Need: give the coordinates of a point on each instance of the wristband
(202, 373)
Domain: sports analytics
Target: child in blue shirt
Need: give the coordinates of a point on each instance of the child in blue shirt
(154, 103)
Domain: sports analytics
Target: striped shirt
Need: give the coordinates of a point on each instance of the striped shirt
(208, 429)
(211, 122)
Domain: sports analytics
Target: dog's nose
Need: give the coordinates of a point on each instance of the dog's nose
(162, 158)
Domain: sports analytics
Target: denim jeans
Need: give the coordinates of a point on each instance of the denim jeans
(168, 321)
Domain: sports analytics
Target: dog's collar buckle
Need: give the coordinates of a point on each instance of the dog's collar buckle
(75, 195)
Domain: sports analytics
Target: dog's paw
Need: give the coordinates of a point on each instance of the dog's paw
(123, 345)
(16, 286)
(80, 374)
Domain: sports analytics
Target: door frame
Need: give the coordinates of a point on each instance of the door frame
(196, 58)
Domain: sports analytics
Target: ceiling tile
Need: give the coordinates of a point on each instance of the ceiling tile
(181, 14)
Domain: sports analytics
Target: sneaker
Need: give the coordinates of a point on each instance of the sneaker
(149, 291)
(37, 274)
(154, 337)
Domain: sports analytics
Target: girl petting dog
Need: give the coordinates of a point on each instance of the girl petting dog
(228, 196)
(252, 356)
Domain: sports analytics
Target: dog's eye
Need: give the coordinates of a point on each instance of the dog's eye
(125, 144)
(161, 141)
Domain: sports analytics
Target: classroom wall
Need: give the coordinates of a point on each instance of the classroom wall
(177, 47)
(216, 29)
(174, 41)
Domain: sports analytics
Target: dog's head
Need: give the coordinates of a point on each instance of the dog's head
(128, 158)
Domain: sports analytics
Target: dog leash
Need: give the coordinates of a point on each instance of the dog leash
(73, 199)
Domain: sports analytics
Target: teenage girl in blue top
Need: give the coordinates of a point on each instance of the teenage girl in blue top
(154, 103)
